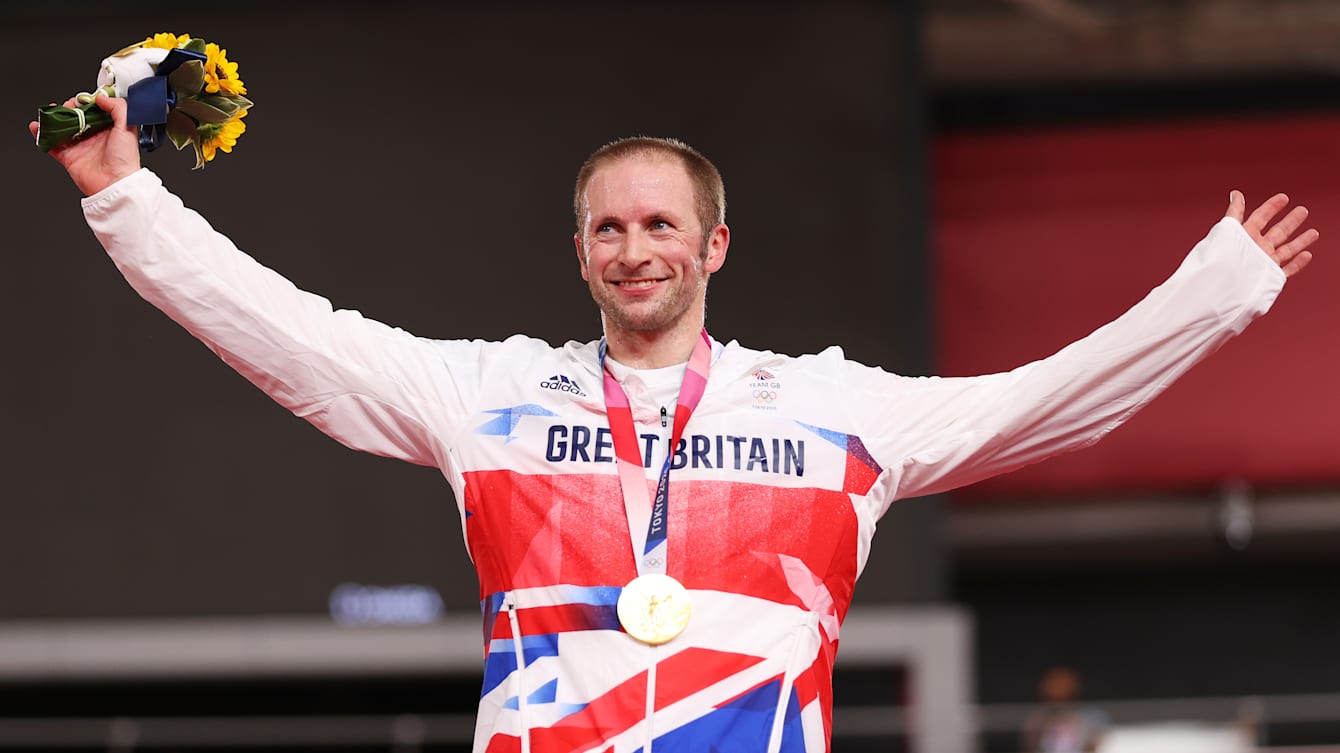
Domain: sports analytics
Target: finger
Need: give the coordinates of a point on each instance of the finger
(1262, 215)
(1297, 264)
(1296, 246)
(1236, 205)
(116, 106)
(32, 128)
(71, 103)
(1284, 229)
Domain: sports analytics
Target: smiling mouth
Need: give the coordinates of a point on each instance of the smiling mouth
(635, 284)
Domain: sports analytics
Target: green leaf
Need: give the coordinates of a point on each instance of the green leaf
(188, 79)
(223, 102)
(195, 45)
(180, 129)
(203, 113)
(57, 125)
(199, 156)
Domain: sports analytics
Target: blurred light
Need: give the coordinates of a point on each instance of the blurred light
(354, 604)
(1235, 516)
(1176, 737)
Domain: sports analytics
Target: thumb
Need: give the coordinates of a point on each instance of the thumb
(114, 106)
(1237, 208)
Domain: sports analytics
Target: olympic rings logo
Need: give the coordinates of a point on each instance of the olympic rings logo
(766, 396)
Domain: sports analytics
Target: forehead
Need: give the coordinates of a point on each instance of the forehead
(640, 184)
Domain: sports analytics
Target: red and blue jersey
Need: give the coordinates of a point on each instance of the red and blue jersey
(776, 486)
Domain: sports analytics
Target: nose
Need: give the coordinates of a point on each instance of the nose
(636, 249)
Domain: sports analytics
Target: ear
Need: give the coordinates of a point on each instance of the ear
(581, 255)
(717, 243)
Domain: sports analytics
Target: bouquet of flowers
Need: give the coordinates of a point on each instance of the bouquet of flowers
(177, 87)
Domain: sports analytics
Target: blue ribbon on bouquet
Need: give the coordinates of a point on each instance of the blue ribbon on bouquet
(150, 100)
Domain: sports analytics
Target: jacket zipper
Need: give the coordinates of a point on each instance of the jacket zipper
(788, 680)
(650, 712)
(520, 667)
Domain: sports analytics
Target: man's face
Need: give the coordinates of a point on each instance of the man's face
(641, 246)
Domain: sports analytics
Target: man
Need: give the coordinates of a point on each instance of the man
(667, 529)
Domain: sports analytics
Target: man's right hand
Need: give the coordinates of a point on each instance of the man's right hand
(103, 158)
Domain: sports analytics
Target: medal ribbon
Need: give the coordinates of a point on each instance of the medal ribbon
(628, 455)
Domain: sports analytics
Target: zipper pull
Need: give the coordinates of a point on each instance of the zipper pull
(664, 418)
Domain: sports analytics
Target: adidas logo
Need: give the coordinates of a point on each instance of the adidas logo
(560, 383)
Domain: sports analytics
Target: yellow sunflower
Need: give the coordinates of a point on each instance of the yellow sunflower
(224, 138)
(166, 40)
(221, 73)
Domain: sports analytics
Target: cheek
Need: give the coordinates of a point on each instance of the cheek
(595, 262)
(682, 254)
(691, 259)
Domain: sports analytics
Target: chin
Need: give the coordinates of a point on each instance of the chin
(633, 321)
(649, 316)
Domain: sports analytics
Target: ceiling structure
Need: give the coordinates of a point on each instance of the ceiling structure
(1029, 42)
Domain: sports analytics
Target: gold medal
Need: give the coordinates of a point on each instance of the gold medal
(654, 608)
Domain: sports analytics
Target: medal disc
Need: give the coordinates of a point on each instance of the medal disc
(654, 608)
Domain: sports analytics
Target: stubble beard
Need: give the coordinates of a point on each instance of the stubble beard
(661, 314)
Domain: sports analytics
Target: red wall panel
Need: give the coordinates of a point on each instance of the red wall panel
(1042, 236)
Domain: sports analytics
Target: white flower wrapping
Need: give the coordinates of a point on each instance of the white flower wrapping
(119, 72)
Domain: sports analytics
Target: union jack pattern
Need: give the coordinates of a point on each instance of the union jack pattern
(578, 683)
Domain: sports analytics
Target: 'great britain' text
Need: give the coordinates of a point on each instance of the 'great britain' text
(765, 455)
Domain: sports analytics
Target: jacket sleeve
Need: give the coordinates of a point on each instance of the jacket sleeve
(370, 386)
(936, 433)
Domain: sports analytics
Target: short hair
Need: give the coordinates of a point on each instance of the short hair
(709, 193)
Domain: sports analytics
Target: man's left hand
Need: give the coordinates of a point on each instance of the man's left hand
(1279, 240)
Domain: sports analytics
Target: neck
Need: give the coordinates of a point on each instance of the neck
(651, 350)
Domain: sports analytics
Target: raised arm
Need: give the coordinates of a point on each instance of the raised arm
(370, 386)
(941, 433)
